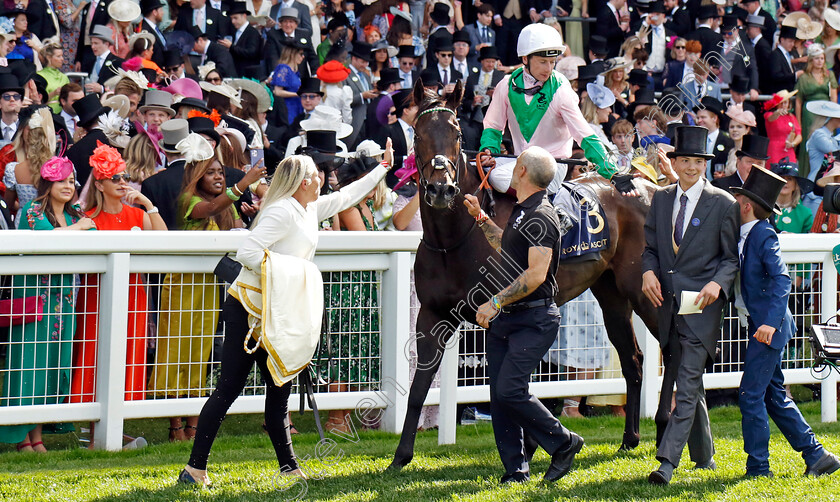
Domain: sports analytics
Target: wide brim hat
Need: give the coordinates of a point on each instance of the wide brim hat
(382, 44)
(310, 85)
(613, 64)
(793, 18)
(780, 97)
(787, 168)
(222, 89)
(238, 8)
(754, 147)
(762, 187)
(362, 50)
(400, 13)
(831, 51)
(126, 11)
(440, 14)
(601, 96)
(119, 103)
(808, 30)
(204, 125)
(326, 118)
(256, 89)
(332, 72)
(192, 102)
(830, 176)
(690, 141)
(157, 100)
(88, 109)
(832, 18)
(145, 35)
(824, 108)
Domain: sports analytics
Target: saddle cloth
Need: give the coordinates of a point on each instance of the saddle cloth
(588, 231)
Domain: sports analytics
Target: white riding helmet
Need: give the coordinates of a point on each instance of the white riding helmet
(540, 38)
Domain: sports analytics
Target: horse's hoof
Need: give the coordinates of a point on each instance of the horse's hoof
(629, 443)
(396, 466)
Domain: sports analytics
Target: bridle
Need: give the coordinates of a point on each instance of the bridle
(441, 162)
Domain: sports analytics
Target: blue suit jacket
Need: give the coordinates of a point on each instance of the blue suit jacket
(765, 284)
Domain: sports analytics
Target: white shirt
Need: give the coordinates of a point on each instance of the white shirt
(408, 132)
(656, 61)
(461, 66)
(693, 195)
(448, 70)
(286, 227)
(69, 120)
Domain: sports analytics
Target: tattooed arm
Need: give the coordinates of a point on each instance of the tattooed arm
(493, 233)
(539, 259)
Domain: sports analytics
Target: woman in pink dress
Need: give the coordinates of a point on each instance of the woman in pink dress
(783, 129)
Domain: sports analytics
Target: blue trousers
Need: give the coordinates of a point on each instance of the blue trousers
(762, 393)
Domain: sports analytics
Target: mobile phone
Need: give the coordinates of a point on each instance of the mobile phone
(257, 154)
(229, 38)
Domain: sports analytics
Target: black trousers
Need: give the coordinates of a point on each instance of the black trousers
(236, 365)
(516, 344)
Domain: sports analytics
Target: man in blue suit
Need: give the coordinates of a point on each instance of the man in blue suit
(765, 286)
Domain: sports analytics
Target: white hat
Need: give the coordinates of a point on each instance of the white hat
(224, 89)
(124, 11)
(256, 89)
(822, 108)
(145, 35)
(242, 143)
(600, 95)
(832, 18)
(326, 118)
(539, 38)
(368, 148)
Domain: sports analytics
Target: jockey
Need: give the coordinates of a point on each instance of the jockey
(540, 107)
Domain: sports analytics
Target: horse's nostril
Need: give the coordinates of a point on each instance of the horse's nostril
(450, 191)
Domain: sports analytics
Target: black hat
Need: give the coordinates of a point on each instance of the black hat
(388, 76)
(296, 43)
(461, 36)
(587, 73)
(361, 50)
(321, 141)
(742, 14)
(402, 99)
(430, 77)
(445, 43)
(310, 86)
(754, 147)
(598, 45)
(88, 109)
(440, 14)
(740, 84)
(488, 52)
(203, 125)
(707, 12)
(711, 104)
(147, 6)
(787, 168)
(729, 21)
(9, 82)
(645, 96)
(690, 141)
(787, 32)
(172, 58)
(238, 8)
(339, 19)
(405, 51)
(637, 77)
(192, 102)
(355, 168)
(762, 187)
(657, 6)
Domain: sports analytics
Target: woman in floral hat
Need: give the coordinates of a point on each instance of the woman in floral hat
(38, 362)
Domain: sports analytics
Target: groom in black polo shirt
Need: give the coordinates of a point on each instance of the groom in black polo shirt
(524, 320)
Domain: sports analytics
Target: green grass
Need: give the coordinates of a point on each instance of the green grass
(242, 467)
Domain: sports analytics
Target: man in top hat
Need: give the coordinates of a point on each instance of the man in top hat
(201, 15)
(677, 18)
(302, 16)
(289, 33)
(673, 108)
(401, 132)
(246, 45)
(102, 65)
(738, 55)
(611, 26)
(173, 64)
(763, 300)
(484, 82)
(439, 17)
(157, 109)
(753, 7)
(9, 108)
(718, 143)
(152, 11)
(705, 33)
(89, 110)
(753, 152)
(598, 51)
(163, 188)
(206, 50)
(311, 97)
(94, 13)
(762, 46)
(462, 61)
(407, 62)
(781, 72)
(323, 118)
(446, 73)
(691, 247)
(363, 91)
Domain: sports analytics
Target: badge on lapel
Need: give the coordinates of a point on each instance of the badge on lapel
(695, 222)
(720, 148)
(209, 21)
(355, 79)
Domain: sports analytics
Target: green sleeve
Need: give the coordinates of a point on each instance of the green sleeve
(595, 152)
(491, 139)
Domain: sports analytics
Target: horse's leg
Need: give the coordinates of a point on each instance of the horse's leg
(617, 311)
(432, 334)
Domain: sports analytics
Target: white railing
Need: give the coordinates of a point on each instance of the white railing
(115, 255)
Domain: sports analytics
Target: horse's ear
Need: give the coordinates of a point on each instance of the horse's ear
(453, 99)
(419, 92)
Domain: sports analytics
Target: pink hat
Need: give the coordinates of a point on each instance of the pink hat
(406, 172)
(737, 113)
(56, 169)
(186, 87)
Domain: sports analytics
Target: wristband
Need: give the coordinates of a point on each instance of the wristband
(482, 218)
(497, 304)
(153, 210)
(232, 196)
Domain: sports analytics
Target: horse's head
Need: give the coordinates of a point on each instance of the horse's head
(437, 145)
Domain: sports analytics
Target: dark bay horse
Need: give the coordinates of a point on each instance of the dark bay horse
(454, 268)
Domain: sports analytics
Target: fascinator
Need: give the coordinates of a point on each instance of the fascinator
(42, 119)
(56, 169)
(195, 148)
(406, 172)
(815, 50)
(115, 128)
(106, 161)
(185, 87)
(600, 95)
(737, 113)
(205, 69)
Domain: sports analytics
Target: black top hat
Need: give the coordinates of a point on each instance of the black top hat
(405, 51)
(730, 21)
(362, 51)
(488, 52)
(310, 86)
(339, 19)
(787, 32)
(388, 76)
(147, 6)
(445, 44)
(740, 84)
(193, 102)
(238, 8)
(671, 102)
(354, 169)
(711, 104)
(754, 147)
(707, 12)
(9, 82)
(203, 125)
(322, 141)
(402, 99)
(430, 77)
(89, 109)
(638, 77)
(645, 96)
(172, 58)
(763, 188)
(587, 73)
(440, 14)
(461, 36)
(690, 141)
(296, 43)
(741, 14)
(657, 6)
(787, 168)
(598, 45)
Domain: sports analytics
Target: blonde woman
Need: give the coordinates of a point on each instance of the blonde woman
(34, 144)
(142, 159)
(52, 58)
(615, 79)
(816, 84)
(596, 107)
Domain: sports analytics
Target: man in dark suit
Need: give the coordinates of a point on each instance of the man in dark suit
(93, 14)
(678, 18)
(781, 72)
(738, 54)
(152, 11)
(718, 143)
(407, 66)
(246, 46)
(485, 80)
(103, 64)
(290, 35)
(708, 37)
(88, 110)
(761, 47)
(753, 151)
(163, 188)
(438, 35)
(611, 26)
(303, 15)
(765, 288)
(754, 7)
(43, 20)
(389, 81)
(691, 245)
(462, 62)
(204, 17)
(206, 50)
(363, 91)
(401, 133)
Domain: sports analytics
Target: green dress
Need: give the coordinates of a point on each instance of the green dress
(39, 358)
(351, 301)
(55, 80)
(810, 90)
(796, 220)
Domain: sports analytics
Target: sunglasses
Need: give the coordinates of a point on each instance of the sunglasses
(12, 95)
(392, 112)
(444, 54)
(680, 47)
(309, 96)
(172, 69)
(120, 177)
(216, 80)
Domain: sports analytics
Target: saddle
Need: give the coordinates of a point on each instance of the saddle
(583, 222)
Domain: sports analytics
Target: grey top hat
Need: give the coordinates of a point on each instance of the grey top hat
(290, 12)
(102, 33)
(173, 131)
(157, 100)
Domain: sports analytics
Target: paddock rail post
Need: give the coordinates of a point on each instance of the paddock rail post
(396, 323)
(828, 387)
(448, 413)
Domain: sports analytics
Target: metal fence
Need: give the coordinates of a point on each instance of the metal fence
(130, 329)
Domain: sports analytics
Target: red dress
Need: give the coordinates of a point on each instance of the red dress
(82, 383)
(778, 132)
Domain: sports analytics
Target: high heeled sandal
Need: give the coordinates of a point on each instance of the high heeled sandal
(21, 446)
(39, 443)
(171, 430)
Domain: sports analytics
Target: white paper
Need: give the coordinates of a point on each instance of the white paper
(687, 305)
